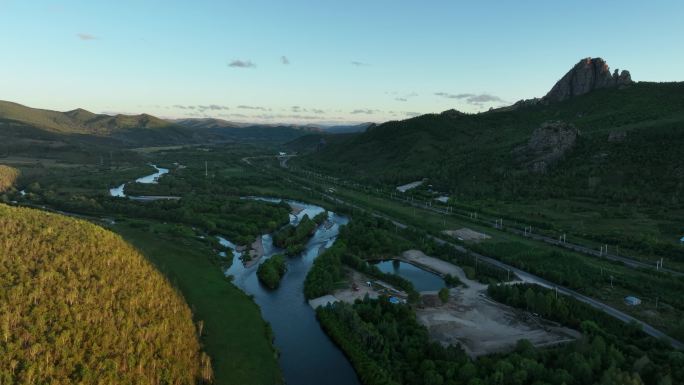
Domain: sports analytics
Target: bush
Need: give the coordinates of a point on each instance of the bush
(271, 271)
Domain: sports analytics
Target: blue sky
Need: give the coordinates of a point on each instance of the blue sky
(320, 61)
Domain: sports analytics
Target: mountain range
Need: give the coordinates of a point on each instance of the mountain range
(22, 126)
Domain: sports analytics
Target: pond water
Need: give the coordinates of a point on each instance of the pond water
(421, 279)
(307, 355)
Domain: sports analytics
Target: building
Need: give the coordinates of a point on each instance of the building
(681, 241)
(632, 301)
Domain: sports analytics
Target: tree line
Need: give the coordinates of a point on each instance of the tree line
(387, 346)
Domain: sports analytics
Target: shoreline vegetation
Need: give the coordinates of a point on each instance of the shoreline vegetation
(293, 238)
(235, 336)
(271, 271)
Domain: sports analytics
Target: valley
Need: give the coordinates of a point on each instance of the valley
(182, 238)
(290, 221)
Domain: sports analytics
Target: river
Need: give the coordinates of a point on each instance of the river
(307, 355)
(118, 191)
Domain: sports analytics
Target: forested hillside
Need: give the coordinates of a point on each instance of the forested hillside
(80, 306)
(622, 144)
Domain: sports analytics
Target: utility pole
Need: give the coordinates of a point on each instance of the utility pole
(206, 169)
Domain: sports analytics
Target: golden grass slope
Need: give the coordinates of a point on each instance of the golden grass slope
(8, 176)
(78, 305)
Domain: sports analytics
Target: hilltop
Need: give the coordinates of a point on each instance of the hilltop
(80, 305)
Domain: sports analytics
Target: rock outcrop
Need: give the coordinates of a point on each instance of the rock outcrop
(587, 75)
(548, 143)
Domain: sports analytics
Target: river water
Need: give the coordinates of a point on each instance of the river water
(307, 355)
(118, 191)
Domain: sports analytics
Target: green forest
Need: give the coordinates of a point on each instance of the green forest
(293, 238)
(272, 270)
(387, 346)
(80, 305)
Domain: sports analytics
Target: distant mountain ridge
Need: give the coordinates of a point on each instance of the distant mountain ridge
(78, 121)
(313, 127)
(28, 126)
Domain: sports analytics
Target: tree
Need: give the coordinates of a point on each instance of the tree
(443, 294)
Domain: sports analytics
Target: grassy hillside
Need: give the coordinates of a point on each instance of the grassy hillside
(8, 176)
(79, 305)
(77, 121)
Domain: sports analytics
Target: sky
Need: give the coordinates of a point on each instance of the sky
(320, 61)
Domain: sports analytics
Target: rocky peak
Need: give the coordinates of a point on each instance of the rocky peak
(587, 75)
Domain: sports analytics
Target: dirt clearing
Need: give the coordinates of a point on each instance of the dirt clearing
(481, 326)
(466, 234)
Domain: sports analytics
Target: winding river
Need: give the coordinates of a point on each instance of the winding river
(118, 191)
(307, 355)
